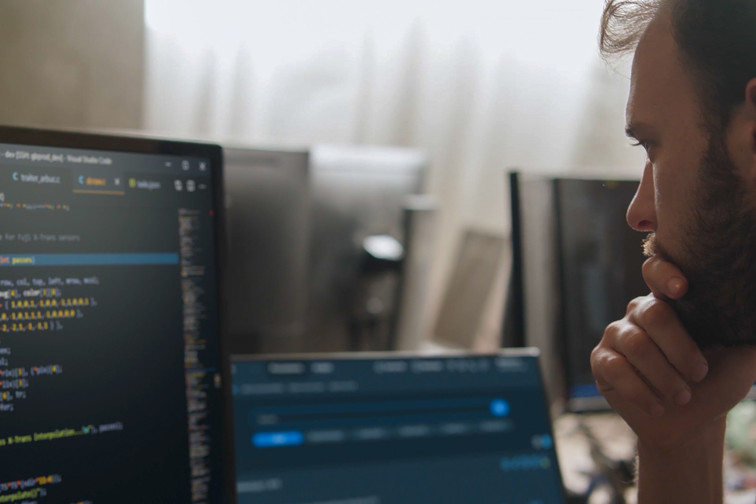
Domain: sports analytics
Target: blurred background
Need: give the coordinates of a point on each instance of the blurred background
(400, 175)
(475, 88)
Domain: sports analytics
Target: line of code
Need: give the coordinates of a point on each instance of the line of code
(102, 354)
(29, 306)
(23, 490)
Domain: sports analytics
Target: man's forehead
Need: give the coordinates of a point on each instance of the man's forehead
(658, 79)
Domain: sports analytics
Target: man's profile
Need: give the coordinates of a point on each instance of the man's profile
(683, 356)
(716, 46)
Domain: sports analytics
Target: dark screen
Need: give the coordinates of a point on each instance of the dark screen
(267, 242)
(600, 260)
(109, 359)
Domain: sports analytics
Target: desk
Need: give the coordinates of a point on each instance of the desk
(579, 470)
(617, 441)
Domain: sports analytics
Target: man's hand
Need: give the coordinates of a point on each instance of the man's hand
(654, 375)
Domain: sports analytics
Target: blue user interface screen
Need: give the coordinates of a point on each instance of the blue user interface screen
(393, 430)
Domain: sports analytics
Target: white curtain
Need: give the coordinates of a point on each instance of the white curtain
(480, 85)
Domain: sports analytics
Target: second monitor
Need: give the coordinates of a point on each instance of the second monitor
(267, 243)
(319, 249)
(576, 266)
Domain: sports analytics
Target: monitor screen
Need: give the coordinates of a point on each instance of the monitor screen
(600, 260)
(267, 241)
(393, 429)
(359, 194)
(576, 265)
(110, 375)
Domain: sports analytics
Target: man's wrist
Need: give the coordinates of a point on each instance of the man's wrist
(710, 435)
(689, 470)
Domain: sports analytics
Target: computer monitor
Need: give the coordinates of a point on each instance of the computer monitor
(267, 242)
(531, 315)
(600, 261)
(359, 241)
(393, 428)
(110, 366)
(576, 265)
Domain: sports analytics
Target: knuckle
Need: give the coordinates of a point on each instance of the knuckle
(596, 358)
(612, 330)
(635, 304)
(654, 313)
(609, 367)
(636, 343)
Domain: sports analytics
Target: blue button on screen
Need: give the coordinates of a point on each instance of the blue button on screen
(272, 439)
(499, 408)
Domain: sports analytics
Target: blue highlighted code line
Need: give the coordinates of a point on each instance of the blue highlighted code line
(88, 259)
(271, 439)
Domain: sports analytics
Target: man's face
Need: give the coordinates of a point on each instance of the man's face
(690, 196)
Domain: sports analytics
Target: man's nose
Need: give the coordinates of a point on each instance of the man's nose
(641, 214)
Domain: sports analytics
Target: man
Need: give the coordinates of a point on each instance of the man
(684, 355)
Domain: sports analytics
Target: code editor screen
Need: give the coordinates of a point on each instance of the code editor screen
(109, 366)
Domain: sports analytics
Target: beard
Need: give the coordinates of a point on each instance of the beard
(717, 256)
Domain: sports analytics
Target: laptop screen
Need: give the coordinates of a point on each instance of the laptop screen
(109, 359)
(393, 429)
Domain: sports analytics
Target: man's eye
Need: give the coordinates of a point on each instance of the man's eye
(640, 143)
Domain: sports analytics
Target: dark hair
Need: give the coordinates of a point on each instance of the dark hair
(717, 39)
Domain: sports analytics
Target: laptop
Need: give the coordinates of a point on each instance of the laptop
(393, 429)
(110, 372)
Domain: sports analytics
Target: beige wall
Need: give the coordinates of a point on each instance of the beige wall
(72, 63)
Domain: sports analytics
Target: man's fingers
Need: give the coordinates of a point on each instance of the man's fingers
(615, 377)
(661, 325)
(665, 280)
(649, 361)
